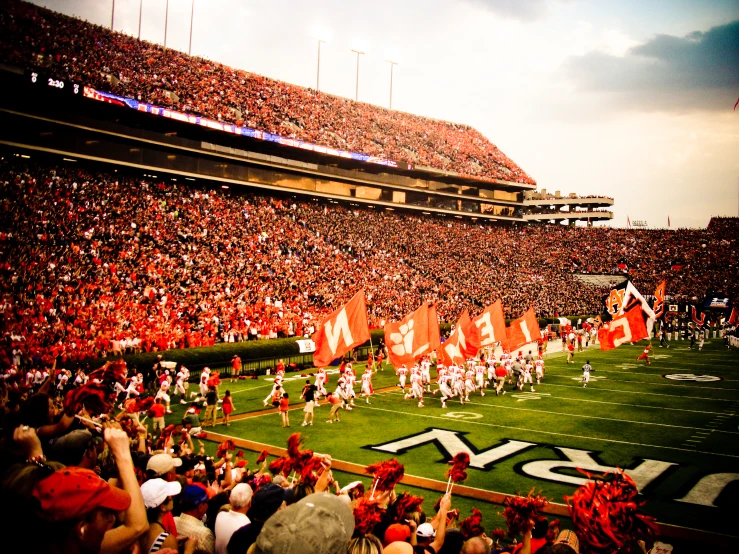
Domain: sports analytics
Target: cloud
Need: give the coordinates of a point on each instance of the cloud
(524, 10)
(695, 72)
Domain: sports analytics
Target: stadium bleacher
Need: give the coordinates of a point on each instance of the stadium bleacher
(69, 48)
(103, 259)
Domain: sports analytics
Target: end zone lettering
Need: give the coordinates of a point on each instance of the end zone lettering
(704, 492)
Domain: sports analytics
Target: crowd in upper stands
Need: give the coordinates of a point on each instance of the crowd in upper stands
(65, 47)
(94, 263)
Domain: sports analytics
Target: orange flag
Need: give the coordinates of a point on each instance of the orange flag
(455, 348)
(344, 329)
(413, 336)
(488, 327)
(522, 331)
(629, 327)
(659, 300)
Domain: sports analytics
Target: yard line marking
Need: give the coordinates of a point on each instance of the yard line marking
(635, 405)
(643, 392)
(590, 417)
(658, 384)
(656, 374)
(691, 440)
(473, 422)
(251, 388)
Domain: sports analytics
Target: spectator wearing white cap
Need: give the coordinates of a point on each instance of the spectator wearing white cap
(163, 465)
(428, 538)
(227, 522)
(157, 494)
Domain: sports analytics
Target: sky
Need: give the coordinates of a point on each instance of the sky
(631, 99)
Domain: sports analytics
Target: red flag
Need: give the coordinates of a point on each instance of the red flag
(488, 327)
(455, 348)
(659, 300)
(413, 336)
(523, 331)
(344, 329)
(734, 317)
(737, 104)
(629, 327)
(628, 221)
(695, 319)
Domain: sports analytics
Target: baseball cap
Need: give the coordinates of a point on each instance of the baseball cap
(396, 532)
(160, 464)
(72, 492)
(320, 523)
(426, 531)
(192, 497)
(156, 491)
(266, 501)
(570, 539)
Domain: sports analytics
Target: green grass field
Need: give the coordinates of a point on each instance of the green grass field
(679, 436)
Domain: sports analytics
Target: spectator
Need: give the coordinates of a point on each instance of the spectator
(319, 523)
(194, 505)
(158, 498)
(227, 522)
(267, 500)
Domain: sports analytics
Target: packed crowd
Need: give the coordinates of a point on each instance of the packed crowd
(64, 47)
(95, 479)
(95, 263)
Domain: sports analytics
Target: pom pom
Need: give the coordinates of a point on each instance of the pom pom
(497, 535)
(110, 373)
(94, 397)
(144, 404)
(387, 474)
(367, 514)
(460, 462)
(472, 526)
(308, 469)
(404, 504)
(520, 509)
(262, 456)
(239, 453)
(278, 466)
(294, 442)
(605, 513)
(224, 447)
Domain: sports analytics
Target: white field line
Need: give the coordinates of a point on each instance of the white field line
(678, 371)
(501, 406)
(652, 383)
(643, 392)
(473, 422)
(614, 404)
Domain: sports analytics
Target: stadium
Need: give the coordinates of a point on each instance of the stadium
(199, 262)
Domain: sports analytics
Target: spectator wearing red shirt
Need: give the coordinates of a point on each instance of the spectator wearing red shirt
(284, 413)
(157, 415)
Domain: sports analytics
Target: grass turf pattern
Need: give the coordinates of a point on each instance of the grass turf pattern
(629, 413)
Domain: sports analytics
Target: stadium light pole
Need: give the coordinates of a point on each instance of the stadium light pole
(392, 65)
(192, 14)
(112, 14)
(141, 7)
(318, 66)
(356, 88)
(166, 20)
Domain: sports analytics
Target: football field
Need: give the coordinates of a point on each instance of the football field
(672, 425)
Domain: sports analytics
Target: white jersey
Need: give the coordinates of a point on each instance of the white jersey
(539, 365)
